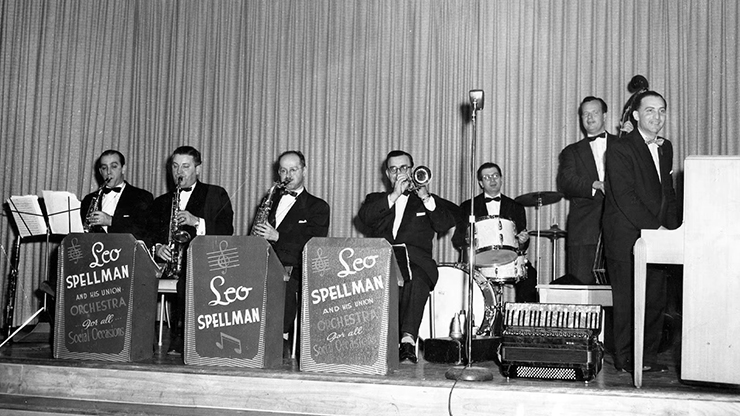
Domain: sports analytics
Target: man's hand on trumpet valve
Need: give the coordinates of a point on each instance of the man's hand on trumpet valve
(100, 218)
(266, 231)
(423, 193)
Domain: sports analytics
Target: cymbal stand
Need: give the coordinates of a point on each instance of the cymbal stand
(537, 216)
(468, 372)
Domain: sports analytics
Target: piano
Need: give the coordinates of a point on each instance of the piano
(706, 244)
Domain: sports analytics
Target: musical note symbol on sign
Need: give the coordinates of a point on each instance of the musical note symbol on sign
(224, 258)
(220, 344)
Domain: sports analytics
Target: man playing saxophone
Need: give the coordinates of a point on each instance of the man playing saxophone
(117, 206)
(195, 208)
(293, 218)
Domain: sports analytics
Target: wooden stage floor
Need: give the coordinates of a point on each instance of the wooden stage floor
(32, 382)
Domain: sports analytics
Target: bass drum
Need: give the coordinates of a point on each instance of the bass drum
(449, 296)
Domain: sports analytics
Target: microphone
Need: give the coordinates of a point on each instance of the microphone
(476, 99)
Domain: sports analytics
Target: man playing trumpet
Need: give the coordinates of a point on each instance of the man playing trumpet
(202, 209)
(412, 219)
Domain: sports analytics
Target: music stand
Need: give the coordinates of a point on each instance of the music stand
(468, 372)
(31, 222)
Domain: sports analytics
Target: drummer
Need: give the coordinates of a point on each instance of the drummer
(492, 202)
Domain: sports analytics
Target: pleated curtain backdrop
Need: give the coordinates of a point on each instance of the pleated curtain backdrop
(344, 82)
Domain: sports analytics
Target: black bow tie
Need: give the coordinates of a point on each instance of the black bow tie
(107, 190)
(496, 198)
(598, 136)
(188, 189)
(291, 193)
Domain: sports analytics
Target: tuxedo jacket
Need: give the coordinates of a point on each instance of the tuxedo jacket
(130, 215)
(636, 198)
(417, 230)
(307, 218)
(509, 209)
(576, 174)
(209, 202)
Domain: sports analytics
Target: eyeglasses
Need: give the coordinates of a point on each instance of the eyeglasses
(396, 169)
(292, 171)
(489, 178)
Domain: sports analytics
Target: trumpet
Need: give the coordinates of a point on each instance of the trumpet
(95, 205)
(420, 176)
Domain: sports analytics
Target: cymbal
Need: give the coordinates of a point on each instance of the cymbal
(553, 233)
(545, 198)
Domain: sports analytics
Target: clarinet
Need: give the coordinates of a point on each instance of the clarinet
(12, 284)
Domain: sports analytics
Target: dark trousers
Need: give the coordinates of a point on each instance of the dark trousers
(292, 305)
(621, 274)
(412, 298)
(581, 263)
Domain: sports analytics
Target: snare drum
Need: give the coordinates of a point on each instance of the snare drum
(512, 272)
(449, 296)
(495, 240)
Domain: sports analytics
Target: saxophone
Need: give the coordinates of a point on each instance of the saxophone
(95, 205)
(264, 209)
(176, 239)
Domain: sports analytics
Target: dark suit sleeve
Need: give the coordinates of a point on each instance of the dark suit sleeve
(375, 214)
(569, 181)
(461, 226)
(290, 245)
(671, 221)
(444, 216)
(220, 219)
(158, 219)
(622, 171)
(131, 214)
(520, 219)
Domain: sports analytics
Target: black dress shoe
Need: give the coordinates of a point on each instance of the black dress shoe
(175, 346)
(655, 368)
(407, 352)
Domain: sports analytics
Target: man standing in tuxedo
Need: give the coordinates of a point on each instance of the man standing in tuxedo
(410, 218)
(492, 202)
(203, 210)
(639, 195)
(581, 179)
(295, 217)
(121, 207)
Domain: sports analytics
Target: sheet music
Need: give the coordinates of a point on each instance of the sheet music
(63, 209)
(27, 215)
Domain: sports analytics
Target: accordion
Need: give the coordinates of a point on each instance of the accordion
(551, 341)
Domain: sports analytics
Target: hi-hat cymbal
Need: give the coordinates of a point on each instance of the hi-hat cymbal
(552, 233)
(534, 199)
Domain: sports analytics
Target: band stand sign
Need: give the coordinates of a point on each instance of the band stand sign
(349, 318)
(235, 295)
(105, 299)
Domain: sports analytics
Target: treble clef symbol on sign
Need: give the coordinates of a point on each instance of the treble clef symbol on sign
(222, 260)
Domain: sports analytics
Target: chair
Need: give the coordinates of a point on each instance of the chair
(166, 286)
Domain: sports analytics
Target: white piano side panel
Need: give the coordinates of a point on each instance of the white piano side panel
(711, 291)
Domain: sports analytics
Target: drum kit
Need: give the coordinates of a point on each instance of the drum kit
(498, 262)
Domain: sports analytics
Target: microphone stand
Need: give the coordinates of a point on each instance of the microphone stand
(468, 372)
